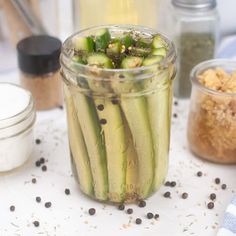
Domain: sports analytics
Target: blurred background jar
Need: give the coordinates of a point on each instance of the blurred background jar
(195, 27)
(38, 60)
(96, 12)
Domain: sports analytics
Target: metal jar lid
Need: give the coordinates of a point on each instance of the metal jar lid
(195, 4)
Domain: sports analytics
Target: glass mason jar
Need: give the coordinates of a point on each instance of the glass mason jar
(212, 120)
(195, 32)
(17, 118)
(118, 122)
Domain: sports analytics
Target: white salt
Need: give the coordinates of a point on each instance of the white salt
(13, 100)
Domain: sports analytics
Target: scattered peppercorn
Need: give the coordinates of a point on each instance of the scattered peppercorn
(172, 183)
(184, 195)
(121, 207)
(176, 103)
(129, 211)
(115, 101)
(138, 221)
(150, 215)
(217, 180)
(34, 181)
(223, 186)
(175, 115)
(67, 191)
(142, 203)
(121, 76)
(12, 208)
(37, 141)
(210, 205)
(38, 163)
(156, 216)
(199, 173)
(92, 211)
(42, 160)
(103, 121)
(44, 168)
(167, 183)
(48, 204)
(36, 223)
(60, 107)
(212, 196)
(167, 195)
(38, 199)
(100, 107)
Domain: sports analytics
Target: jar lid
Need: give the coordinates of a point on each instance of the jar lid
(195, 4)
(39, 54)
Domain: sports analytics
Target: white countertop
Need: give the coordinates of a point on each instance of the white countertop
(68, 215)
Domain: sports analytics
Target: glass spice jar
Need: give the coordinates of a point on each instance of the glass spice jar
(196, 32)
(38, 60)
(212, 114)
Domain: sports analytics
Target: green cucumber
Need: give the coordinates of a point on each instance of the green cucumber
(113, 129)
(102, 39)
(114, 48)
(158, 109)
(158, 42)
(131, 62)
(134, 110)
(159, 52)
(151, 60)
(78, 148)
(94, 141)
(140, 52)
(79, 59)
(143, 43)
(84, 44)
(100, 60)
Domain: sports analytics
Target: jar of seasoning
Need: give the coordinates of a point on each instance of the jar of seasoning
(212, 113)
(195, 24)
(38, 60)
(17, 118)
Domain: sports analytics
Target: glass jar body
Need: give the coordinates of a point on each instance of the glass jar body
(211, 122)
(16, 136)
(46, 89)
(196, 36)
(115, 118)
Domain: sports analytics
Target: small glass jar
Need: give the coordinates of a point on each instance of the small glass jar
(38, 59)
(195, 30)
(212, 116)
(119, 125)
(17, 119)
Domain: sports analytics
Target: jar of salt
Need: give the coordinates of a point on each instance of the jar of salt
(17, 118)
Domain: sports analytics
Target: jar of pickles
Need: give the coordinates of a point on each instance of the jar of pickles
(195, 28)
(118, 93)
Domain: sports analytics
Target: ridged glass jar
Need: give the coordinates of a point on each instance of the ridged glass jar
(118, 122)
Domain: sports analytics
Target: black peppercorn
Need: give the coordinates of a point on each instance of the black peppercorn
(138, 221)
(92, 211)
(210, 205)
(142, 203)
(129, 211)
(48, 204)
(36, 223)
(150, 215)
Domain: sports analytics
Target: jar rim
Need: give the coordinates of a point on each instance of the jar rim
(170, 57)
(21, 115)
(211, 64)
